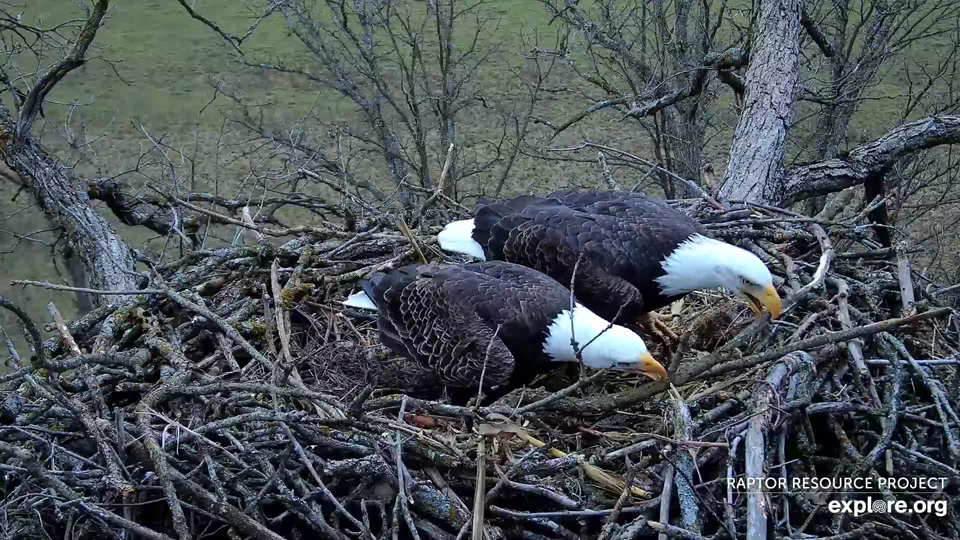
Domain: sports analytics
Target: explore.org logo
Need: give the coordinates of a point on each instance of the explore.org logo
(856, 496)
(881, 506)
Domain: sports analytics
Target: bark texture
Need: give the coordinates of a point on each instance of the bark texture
(755, 165)
(108, 260)
(867, 160)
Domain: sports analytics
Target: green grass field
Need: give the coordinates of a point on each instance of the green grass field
(167, 60)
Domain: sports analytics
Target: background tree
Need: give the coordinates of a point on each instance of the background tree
(330, 140)
(789, 99)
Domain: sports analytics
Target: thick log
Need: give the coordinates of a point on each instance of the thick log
(108, 260)
(865, 161)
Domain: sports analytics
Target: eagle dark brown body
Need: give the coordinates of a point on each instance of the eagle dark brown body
(446, 319)
(624, 237)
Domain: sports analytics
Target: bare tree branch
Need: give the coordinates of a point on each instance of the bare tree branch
(873, 158)
(76, 58)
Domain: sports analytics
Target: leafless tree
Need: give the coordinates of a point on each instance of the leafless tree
(653, 63)
(798, 73)
(109, 261)
(398, 63)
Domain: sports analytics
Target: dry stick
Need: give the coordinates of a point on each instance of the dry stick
(154, 448)
(66, 492)
(412, 238)
(440, 185)
(480, 490)
(559, 394)
(903, 276)
(576, 514)
(591, 471)
(402, 501)
(893, 405)
(504, 478)
(689, 183)
(685, 464)
(941, 400)
(755, 444)
(573, 336)
(611, 520)
(323, 487)
(232, 333)
(92, 386)
(67, 288)
(942, 362)
(110, 458)
(283, 319)
(230, 513)
(926, 459)
(607, 173)
(708, 367)
(826, 258)
(486, 358)
(543, 521)
(819, 341)
(561, 500)
(856, 353)
(303, 229)
(445, 488)
(669, 531)
(669, 476)
(729, 510)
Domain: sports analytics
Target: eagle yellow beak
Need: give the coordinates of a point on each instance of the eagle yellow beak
(769, 299)
(649, 367)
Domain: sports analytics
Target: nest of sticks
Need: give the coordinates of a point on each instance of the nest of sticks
(236, 399)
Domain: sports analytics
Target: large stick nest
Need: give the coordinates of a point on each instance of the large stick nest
(236, 399)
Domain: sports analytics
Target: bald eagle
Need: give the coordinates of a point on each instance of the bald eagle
(446, 319)
(638, 253)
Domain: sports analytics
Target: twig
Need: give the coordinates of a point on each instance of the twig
(826, 258)
(903, 276)
(480, 491)
(441, 184)
(55, 287)
(755, 443)
(403, 498)
(611, 520)
(669, 477)
(559, 394)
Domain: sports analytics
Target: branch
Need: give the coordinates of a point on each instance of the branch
(815, 34)
(34, 100)
(864, 161)
(233, 40)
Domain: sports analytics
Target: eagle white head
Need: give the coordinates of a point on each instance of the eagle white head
(601, 345)
(705, 263)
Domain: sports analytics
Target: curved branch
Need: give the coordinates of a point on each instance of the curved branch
(76, 58)
(870, 159)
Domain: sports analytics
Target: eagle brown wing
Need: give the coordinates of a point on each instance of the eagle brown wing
(440, 331)
(637, 208)
(623, 236)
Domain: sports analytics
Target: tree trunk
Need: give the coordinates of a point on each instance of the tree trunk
(755, 166)
(108, 260)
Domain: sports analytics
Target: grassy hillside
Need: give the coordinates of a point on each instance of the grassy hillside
(167, 63)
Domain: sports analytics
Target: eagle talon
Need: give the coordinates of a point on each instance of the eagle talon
(652, 324)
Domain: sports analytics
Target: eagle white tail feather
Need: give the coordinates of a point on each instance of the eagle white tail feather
(360, 300)
(457, 236)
